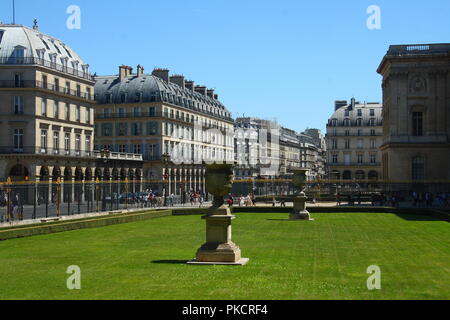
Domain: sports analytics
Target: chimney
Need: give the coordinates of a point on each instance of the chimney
(178, 80)
(124, 71)
(140, 70)
(339, 104)
(188, 84)
(210, 93)
(162, 74)
(200, 89)
(352, 104)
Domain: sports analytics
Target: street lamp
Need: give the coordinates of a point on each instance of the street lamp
(58, 197)
(105, 155)
(165, 159)
(8, 202)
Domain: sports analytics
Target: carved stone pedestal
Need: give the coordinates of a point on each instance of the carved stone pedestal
(300, 212)
(219, 249)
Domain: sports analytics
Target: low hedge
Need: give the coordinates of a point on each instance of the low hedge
(54, 227)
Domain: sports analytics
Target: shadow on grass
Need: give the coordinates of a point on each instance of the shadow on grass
(417, 217)
(278, 220)
(170, 261)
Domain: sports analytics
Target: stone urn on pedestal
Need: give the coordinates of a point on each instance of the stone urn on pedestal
(219, 248)
(299, 181)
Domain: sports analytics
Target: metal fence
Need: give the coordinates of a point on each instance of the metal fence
(43, 200)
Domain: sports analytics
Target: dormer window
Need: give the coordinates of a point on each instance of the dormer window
(1, 36)
(19, 55)
(41, 54)
(53, 59)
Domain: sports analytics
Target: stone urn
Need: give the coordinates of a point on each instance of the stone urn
(219, 182)
(219, 248)
(299, 181)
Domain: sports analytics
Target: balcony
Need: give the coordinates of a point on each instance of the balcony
(46, 151)
(354, 164)
(32, 84)
(45, 63)
(119, 156)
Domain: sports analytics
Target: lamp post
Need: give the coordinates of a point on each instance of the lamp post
(105, 155)
(126, 193)
(8, 202)
(97, 188)
(165, 160)
(58, 197)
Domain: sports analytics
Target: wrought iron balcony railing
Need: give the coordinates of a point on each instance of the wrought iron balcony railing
(32, 84)
(47, 64)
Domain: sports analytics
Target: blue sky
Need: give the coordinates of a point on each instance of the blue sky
(286, 60)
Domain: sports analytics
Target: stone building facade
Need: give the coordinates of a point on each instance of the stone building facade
(257, 148)
(416, 100)
(173, 123)
(354, 135)
(313, 153)
(47, 114)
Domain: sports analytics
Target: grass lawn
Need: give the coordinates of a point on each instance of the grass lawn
(323, 259)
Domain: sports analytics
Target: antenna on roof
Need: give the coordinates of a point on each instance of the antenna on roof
(14, 11)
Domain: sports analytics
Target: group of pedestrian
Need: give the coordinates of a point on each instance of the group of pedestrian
(15, 207)
(428, 199)
(197, 198)
(243, 201)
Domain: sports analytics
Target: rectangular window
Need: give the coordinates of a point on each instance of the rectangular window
(56, 141)
(18, 83)
(18, 105)
(78, 144)
(67, 87)
(137, 148)
(151, 112)
(122, 148)
(56, 85)
(107, 113)
(373, 158)
(88, 115)
(122, 129)
(152, 128)
(106, 129)
(43, 141)
(67, 142)
(360, 158)
(67, 112)
(77, 113)
(18, 140)
(56, 109)
(88, 144)
(359, 113)
(78, 90)
(372, 112)
(44, 108)
(347, 143)
(417, 118)
(360, 143)
(44, 82)
(136, 112)
(137, 128)
(335, 158)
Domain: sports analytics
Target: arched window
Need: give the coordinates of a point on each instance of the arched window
(360, 175)
(347, 175)
(418, 168)
(373, 175)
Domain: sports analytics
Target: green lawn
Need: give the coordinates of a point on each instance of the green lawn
(323, 259)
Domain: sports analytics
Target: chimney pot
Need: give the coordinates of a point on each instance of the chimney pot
(201, 89)
(140, 70)
(162, 74)
(178, 80)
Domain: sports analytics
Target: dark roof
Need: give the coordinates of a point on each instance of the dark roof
(150, 88)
